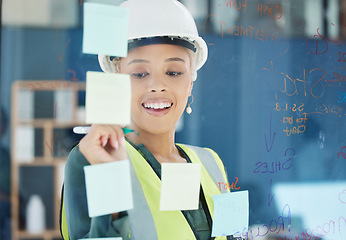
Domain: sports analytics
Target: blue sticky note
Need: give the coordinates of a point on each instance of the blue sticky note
(108, 188)
(105, 29)
(231, 213)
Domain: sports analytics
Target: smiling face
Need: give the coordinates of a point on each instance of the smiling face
(161, 84)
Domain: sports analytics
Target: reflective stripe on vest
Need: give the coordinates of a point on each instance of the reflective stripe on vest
(142, 224)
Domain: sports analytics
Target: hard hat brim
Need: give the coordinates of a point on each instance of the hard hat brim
(172, 40)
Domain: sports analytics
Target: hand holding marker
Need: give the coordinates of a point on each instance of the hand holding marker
(103, 143)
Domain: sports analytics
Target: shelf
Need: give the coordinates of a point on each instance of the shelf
(47, 85)
(57, 123)
(42, 161)
(45, 234)
(41, 139)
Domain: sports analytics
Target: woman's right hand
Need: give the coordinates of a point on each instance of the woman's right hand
(103, 143)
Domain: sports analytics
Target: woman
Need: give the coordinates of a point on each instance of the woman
(162, 61)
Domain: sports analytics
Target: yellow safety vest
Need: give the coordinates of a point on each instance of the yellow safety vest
(146, 219)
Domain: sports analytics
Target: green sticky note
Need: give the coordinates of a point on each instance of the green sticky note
(231, 213)
(108, 98)
(105, 29)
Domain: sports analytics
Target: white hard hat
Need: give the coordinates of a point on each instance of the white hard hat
(161, 21)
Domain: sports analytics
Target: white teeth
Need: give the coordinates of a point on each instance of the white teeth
(161, 105)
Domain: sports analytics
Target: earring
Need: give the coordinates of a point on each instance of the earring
(189, 109)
